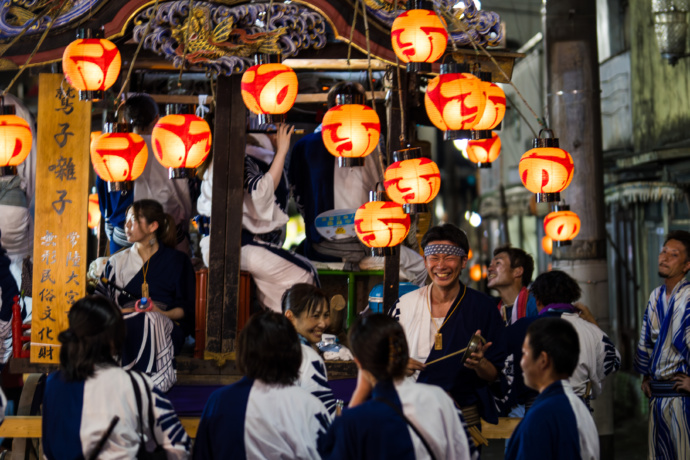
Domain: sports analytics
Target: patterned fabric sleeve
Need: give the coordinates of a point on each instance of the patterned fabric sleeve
(314, 379)
(645, 345)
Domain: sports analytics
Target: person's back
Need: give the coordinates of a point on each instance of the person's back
(77, 414)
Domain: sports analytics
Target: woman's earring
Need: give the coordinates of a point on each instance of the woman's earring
(152, 241)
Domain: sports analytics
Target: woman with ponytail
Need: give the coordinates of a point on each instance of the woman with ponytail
(399, 419)
(91, 405)
(152, 269)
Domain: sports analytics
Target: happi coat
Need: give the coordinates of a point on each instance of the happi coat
(373, 430)
(558, 426)
(152, 337)
(77, 414)
(662, 352)
(475, 311)
(313, 376)
(251, 419)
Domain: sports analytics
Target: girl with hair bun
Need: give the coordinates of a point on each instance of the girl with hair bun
(307, 308)
(151, 268)
(83, 398)
(401, 419)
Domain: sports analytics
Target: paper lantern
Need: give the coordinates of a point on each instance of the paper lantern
(350, 131)
(419, 38)
(269, 88)
(94, 216)
(483, 152)
(455, 102)
(469, 255)
(381, 224)
(476, 272)
(15, 140)
(546, 169)
(547, 245)
(91, 65)
(181, 142)
(119, 157)
(413, 181)
(495, 108)
(562, 226)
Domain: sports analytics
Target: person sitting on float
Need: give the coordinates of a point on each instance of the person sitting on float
(153, 270)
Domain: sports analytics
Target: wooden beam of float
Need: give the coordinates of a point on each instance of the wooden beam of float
(60, 232)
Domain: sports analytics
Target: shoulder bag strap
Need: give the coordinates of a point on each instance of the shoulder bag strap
(407, 420)
(104, 438)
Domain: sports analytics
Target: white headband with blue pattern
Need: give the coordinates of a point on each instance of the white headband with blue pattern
(448, 249)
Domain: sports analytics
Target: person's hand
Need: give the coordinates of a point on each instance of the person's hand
(585, 313)
(474, 360)
(413, 366)
(283, 135)
(682, 382)
(646, 387)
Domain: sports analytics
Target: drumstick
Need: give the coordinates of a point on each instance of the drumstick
(447, 356)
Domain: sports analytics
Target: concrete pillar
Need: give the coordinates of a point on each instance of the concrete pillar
(574, 114)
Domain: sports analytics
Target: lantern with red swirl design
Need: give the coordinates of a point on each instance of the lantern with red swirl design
(562, 225)
(269, 90)
(418, 36)
(181, 143)
(119, 157)
(351, 132)
(546, 169)
(483, 152)
(91, 65)
(412, 181)
(454, 102)
(15, 140)
(380, 225)
(494, 111)
(94, 211)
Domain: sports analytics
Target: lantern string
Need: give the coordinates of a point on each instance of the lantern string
(184, 53)
(154, 11)
(371, 76)
(352, 33)
(403, 137)
(38, 45)
(478, 46)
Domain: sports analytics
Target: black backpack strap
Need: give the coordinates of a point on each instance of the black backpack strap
(407, 420)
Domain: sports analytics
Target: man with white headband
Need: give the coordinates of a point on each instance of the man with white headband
(441, 318)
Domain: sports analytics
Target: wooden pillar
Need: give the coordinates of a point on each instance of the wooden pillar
(229, 139)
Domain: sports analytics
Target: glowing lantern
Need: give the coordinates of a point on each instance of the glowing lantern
(419, 37)
(15, 139)
(455, 102)
(91, 65)
(94, 211)
(269, 89)
(476, 272)
(351, 132)
(494, 111)
(547, 245)
(181, 142)
(469, 255)
(380, 225)
(546, 169)
(562, 225)
(484, 151)
(412, 181)
(119, 158)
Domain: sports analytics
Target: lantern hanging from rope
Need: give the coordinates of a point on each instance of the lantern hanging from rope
(546, 169)
(455, 101)
(15, 140)
(118, 156)
(562, 225)
(418, 36)
(483, 152)
(494, 110)
(91, 64)
(269, 90)
(350, 130)
(181, 143)
(412, 181)
(381, 225)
